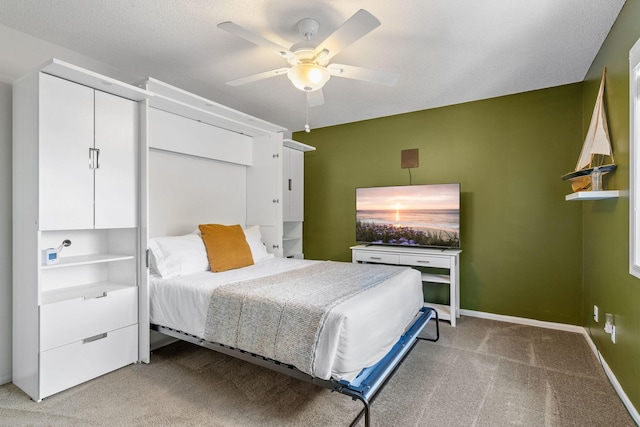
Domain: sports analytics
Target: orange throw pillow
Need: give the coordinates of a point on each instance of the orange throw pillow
(227, 246)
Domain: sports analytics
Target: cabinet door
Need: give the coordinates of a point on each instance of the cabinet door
(264, 178)
(293, 184)
(66, 135)
(116, 136)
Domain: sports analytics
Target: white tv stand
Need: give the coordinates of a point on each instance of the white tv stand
(420, 257)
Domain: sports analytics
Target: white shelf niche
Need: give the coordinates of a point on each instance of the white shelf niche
(87, 259)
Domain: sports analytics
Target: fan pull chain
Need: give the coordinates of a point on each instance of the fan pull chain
(307, 129)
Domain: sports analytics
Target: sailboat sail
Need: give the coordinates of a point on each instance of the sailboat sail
(597, 139)
(596, 147)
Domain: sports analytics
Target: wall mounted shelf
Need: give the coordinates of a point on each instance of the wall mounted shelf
(593, 195)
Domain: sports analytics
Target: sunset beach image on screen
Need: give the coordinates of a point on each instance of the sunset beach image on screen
(410, 215)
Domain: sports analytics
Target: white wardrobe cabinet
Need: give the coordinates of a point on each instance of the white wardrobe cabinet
(87, 153)
(293, 196)
(293, 185)
(75, 157)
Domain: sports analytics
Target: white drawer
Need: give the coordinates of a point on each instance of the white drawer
(426, 261)
(73, 320)
(376, 257)
(75, 363)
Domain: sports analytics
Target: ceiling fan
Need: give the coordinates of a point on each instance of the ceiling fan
(310, 68)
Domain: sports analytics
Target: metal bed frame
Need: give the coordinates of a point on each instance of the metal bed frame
(365, 387)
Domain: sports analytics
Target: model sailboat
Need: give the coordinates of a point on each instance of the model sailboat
(596, 150)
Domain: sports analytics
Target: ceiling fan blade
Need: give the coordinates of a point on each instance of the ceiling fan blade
(256, 77)
(254, 38)
(315, 98)
(354, 28)
(365, 74)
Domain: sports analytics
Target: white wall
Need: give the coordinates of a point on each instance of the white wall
(5, 233)
(22, 53)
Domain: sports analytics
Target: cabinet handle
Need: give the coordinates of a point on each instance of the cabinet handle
(276, 200)
(275, 156)
(104, 294)
(424, 262)
(290, 184)
(374, 257)
(276, 246)
(94, 158)
(94, 338)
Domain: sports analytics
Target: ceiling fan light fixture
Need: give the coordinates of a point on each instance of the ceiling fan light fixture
(308, 77)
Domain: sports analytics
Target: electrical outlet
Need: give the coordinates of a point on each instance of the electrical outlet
(595, 313)
(613, 333)
(608, 323)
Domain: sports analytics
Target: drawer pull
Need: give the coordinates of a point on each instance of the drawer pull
(424, 262)
(104, 294)
(374, 257)
(94, 338)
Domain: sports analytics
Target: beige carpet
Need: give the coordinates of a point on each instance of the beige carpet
(481, 373)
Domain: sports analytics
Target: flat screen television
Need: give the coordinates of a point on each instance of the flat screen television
(409, 215)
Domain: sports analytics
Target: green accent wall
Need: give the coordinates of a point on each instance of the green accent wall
(607, 282)
(521, 242)
(526, 251)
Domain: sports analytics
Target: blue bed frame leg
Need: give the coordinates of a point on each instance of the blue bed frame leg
(366, 386)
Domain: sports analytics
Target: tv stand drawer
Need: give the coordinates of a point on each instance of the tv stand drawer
(425, 261)
(380, 258)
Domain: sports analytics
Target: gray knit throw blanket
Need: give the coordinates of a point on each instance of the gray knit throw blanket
(281, 316)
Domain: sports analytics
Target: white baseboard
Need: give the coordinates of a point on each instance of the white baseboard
(612, 378)
(569, 328)
(523, 321)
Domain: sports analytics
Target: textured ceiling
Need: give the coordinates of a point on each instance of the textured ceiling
(446, 52)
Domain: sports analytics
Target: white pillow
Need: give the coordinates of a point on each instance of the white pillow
(178, 255)
(254, 239)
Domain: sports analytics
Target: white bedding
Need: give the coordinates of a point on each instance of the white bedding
(357, 333)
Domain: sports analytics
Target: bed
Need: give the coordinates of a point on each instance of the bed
(343, 326)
